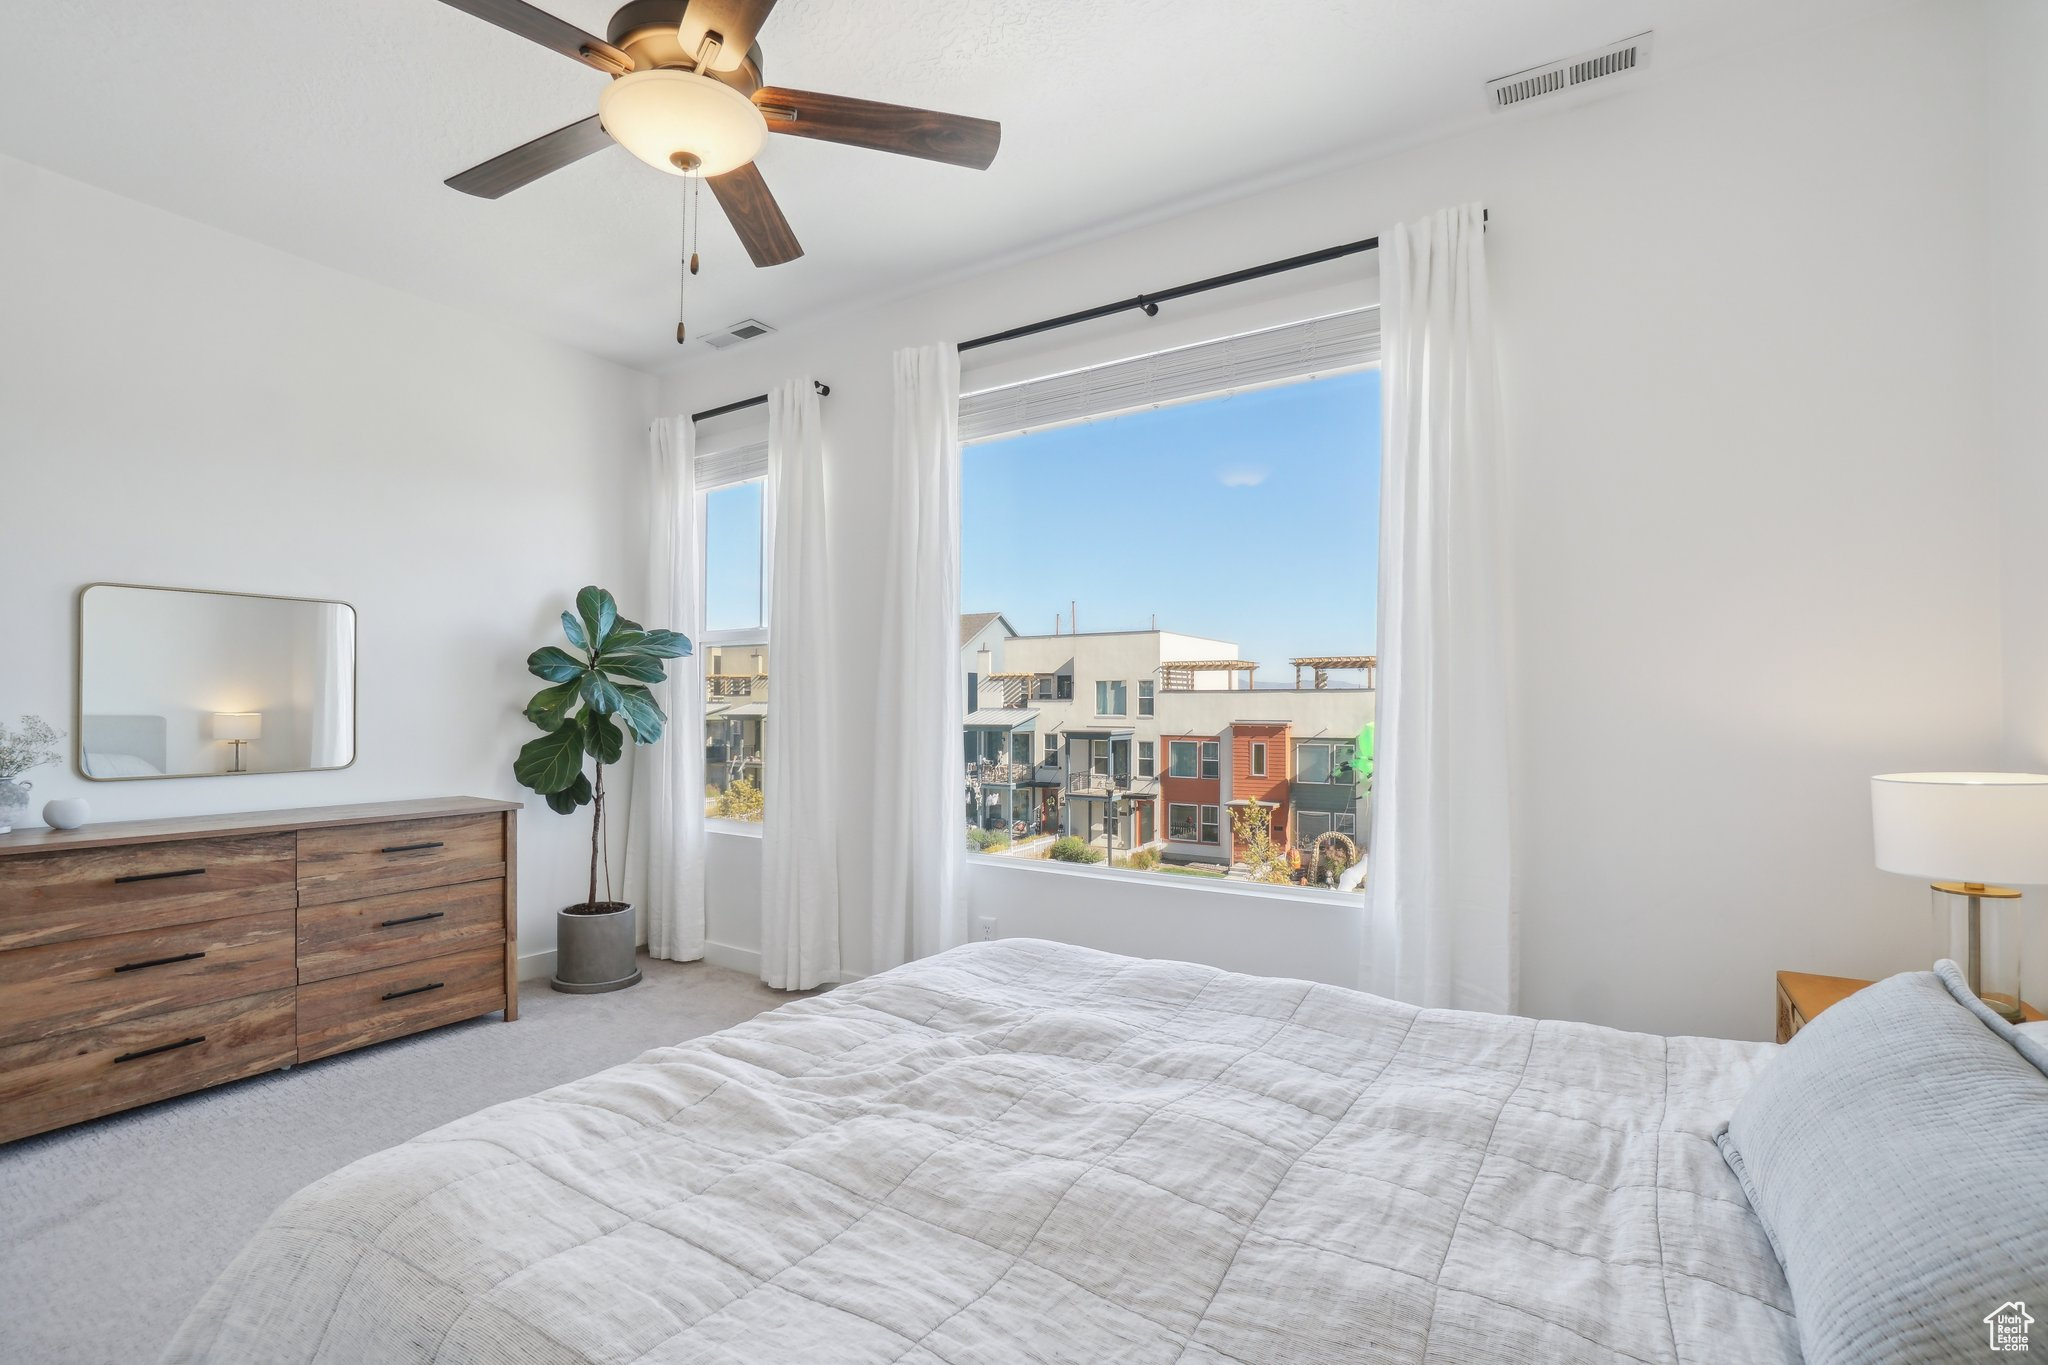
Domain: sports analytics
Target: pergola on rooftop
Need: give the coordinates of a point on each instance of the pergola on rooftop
(1324, 665)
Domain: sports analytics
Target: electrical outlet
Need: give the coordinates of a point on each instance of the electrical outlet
(985, 928)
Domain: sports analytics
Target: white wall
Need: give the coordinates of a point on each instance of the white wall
(183, 407)
(1750, 505)
(2016, 269)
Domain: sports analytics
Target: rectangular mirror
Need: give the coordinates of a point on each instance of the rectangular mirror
(180, 683)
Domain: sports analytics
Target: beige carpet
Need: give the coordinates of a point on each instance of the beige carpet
(111, 1230)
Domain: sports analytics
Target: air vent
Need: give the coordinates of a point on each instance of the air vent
(738, 332)
(1554, 78)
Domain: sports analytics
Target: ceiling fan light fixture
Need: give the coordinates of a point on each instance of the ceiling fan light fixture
(682, 123)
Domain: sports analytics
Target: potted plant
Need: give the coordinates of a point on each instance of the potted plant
(30, 746)
(579, 713)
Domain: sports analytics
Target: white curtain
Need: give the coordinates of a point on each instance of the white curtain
(334, 687)
(667, 824)
(800, 816)
(919, 859)
(1442, 918)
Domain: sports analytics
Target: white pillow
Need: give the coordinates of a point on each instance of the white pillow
(120, 765)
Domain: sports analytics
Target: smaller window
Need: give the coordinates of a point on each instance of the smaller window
(1111, 699)
(1020, 750)
(1063, 687)
(1211, 826)
(1212, 759)
(1146, 758)
(1312, 763)
(1258, 760)
(1180, 758)
(1044, 686)
(1183, 824)
(1145, 698)
(1098, 757)
(1052, 750)
(1344, 824)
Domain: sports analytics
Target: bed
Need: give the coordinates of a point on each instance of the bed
(1031, 1151)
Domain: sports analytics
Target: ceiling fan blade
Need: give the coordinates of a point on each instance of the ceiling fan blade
(755, 215)
(514, 16)
(736, 22)
(952, 138)
(523, 165)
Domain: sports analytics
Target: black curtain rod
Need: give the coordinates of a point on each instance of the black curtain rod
(744, 403)
(1149, 303)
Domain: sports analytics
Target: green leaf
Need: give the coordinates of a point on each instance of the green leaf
(601, 738)
(573, 628)
(659, 644)
(642, 713)
(577, 793)
(599, 612)
(550, 706)
(556, 665)
(625, 634)
(600, 693)
(634, 666)
(553, 762)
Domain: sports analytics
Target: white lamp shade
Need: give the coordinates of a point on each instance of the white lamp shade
(656, 114)
(1989, 828)
(238, 725)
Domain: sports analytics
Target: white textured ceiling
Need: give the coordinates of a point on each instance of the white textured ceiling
(326, 129)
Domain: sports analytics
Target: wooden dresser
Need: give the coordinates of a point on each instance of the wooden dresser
(147, 959)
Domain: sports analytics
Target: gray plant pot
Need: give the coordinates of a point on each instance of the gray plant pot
(595, 953)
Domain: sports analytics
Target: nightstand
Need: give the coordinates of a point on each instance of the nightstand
(1802, 996)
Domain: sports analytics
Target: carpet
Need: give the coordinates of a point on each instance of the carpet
(111, 1230)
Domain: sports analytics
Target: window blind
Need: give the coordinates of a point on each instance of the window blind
(1273, 355)
(716, 468)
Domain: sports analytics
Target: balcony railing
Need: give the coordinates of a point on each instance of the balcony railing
(1097, 784)
(999, 774)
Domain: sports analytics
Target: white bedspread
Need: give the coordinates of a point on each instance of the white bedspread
(1025, 1151)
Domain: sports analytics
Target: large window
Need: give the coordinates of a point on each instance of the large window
(734, 650)
(1221, 508)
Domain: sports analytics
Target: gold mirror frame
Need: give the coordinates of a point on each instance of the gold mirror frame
(78, 682)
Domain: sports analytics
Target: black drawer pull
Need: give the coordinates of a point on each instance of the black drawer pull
(412, 919)
(398, 995)
(158, 962)
(160, 876)
(413, 848)
(167, 1047)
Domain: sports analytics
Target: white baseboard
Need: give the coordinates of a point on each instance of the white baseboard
(746, 960)
(537, 966)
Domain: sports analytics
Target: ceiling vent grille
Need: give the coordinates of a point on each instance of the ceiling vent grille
(745, 330)
(1554, 78)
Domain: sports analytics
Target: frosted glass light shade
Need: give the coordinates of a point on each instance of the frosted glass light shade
(238, 725)
(656, 114)
(1990, 828)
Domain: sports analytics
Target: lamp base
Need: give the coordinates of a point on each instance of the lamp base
(1984, 940)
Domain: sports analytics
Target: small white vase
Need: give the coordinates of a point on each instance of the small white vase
(67, 813)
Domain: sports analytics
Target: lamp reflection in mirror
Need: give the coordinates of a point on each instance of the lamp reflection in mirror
(1971, 835)
(238, 728)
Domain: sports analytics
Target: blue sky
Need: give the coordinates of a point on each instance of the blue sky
(1252, 518)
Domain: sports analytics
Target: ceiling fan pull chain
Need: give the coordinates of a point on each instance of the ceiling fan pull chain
(683, 271)
(696, 218)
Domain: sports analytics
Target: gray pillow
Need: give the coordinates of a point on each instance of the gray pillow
(1897, 1155)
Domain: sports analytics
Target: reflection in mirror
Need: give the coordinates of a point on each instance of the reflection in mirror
(176, 683)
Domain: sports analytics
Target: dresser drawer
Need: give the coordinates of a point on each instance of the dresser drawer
(86, 982)
(349, 1011)
(67, 894)
(383, 931)
(349, 862)
(54, 1081)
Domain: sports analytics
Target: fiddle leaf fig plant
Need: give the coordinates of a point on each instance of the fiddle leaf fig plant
(588, 699)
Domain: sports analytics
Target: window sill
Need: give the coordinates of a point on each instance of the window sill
(1200, 886)
(738, 829)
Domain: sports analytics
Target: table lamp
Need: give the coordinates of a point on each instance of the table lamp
(238, 728)
(1969, 833)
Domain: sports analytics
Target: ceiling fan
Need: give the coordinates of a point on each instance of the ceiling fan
(687, 98)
